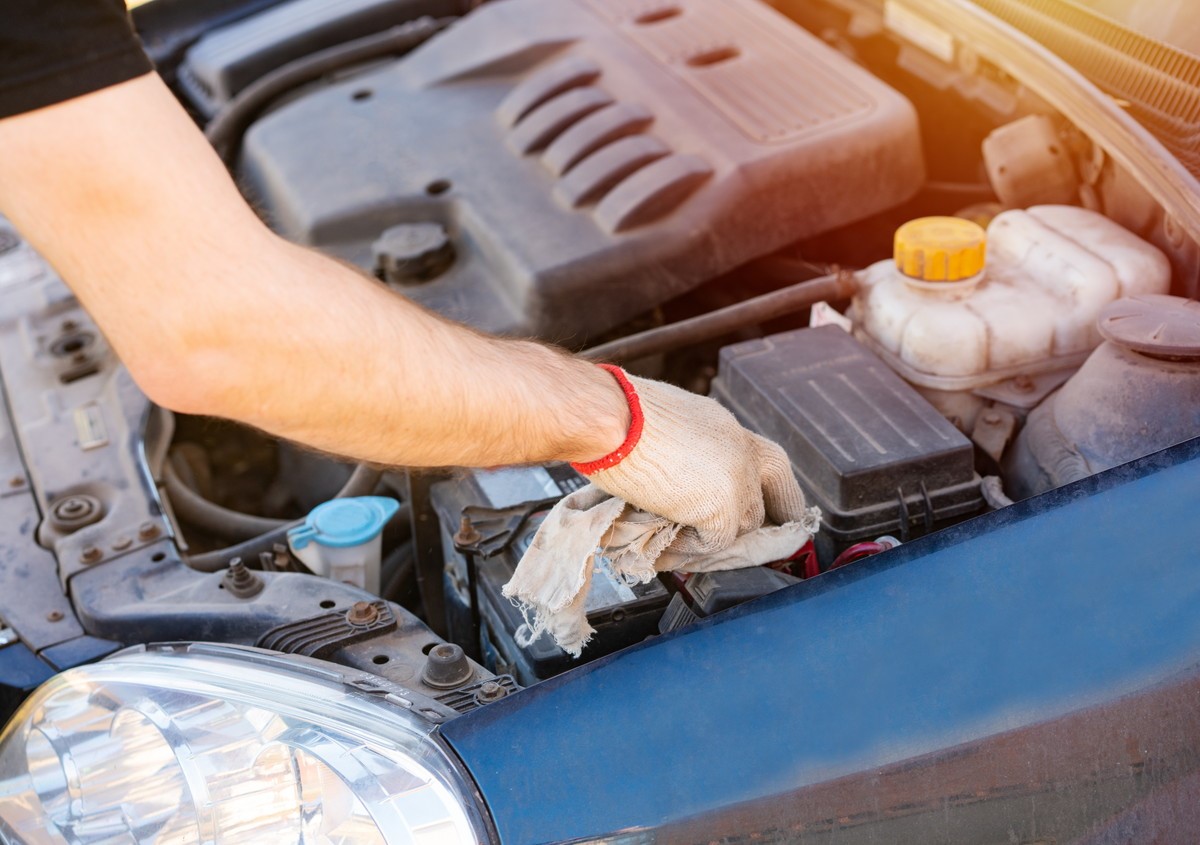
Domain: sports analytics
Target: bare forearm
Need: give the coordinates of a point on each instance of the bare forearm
(214, 314)
(344, 364)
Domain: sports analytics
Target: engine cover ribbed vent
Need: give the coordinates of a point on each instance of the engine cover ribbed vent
(588, 159)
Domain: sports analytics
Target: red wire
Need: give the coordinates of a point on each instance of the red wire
(857, 552)
(805, 559)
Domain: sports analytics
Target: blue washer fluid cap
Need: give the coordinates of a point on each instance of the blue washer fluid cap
(341, 523)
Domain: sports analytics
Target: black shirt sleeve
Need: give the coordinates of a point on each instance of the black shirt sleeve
(53, 50)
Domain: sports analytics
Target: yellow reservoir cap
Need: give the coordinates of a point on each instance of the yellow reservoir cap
(940, 249)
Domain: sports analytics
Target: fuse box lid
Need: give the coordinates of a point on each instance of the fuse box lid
(865, 446)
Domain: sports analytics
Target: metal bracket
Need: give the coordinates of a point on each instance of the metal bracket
(321, 636)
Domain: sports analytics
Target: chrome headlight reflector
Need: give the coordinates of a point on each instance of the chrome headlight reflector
(220, 744)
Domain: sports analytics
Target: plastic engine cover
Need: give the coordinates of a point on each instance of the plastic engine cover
(588, 158)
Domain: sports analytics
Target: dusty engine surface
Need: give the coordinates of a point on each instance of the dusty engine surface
(559, 166)
(562, 168)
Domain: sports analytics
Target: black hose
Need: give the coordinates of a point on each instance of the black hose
(225, 130)
(248, 550)
(398, 570)
(196, 510)
(725, 320)
(200, 512)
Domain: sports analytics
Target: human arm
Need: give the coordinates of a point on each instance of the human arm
(212, 313)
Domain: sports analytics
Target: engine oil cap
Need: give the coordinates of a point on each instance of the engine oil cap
(940, 250)
(342, 523)
(1155, 325)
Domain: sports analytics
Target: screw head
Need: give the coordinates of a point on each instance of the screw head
(90, 554)
(122, 543)
(467, 534)
(1023, 384)
(54, 616)
(362, 613)
(73, 507)
(240, 581)
(16, 481)
(147, 531)
(74, 511)
(490, 691)
(992, 418)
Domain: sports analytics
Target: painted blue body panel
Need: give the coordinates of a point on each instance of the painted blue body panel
(1060, 603)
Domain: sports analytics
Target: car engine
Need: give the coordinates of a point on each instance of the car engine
(935, 291)
(559, 168)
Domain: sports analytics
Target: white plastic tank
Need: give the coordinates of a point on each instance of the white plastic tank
(341, 539)
(948, 320)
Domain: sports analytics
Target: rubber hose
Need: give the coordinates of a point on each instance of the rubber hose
(400, 567)
(228, 125)
(199, 511)
(714, 324)
(193, 508)
(249, 550)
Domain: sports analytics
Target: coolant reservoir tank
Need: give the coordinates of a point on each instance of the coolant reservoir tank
(946, 319)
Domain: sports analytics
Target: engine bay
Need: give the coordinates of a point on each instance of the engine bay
(929, 286)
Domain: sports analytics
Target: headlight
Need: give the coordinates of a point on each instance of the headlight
(220, 744)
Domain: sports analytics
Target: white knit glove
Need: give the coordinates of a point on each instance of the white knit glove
(689, 489)
(688, 459)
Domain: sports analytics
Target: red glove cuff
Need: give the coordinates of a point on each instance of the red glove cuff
(635, 426)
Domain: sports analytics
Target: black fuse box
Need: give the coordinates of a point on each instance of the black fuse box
(867, 449)
(621, 614)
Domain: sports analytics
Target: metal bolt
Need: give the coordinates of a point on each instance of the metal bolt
(362, 613)
(90, 554)
(467, 534)
(74, 508)
(147, 531)
(54, 616)
(16, 481)
(490, 691)
(1023, 384)
(240, 581)
(992, 418)
(69, 326)
(121, 544)
(74, 511)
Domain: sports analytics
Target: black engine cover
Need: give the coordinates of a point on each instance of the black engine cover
(589, 159)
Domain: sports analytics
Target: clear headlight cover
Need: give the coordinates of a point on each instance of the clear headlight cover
(224, 745)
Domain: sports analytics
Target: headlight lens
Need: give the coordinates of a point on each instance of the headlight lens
(219, 744)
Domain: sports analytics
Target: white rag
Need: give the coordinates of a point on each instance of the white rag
(551, 582)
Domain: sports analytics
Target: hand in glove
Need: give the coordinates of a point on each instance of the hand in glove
(689, 489)
(688, 460)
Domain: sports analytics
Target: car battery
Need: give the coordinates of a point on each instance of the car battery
(517, 500)
(870, 451)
